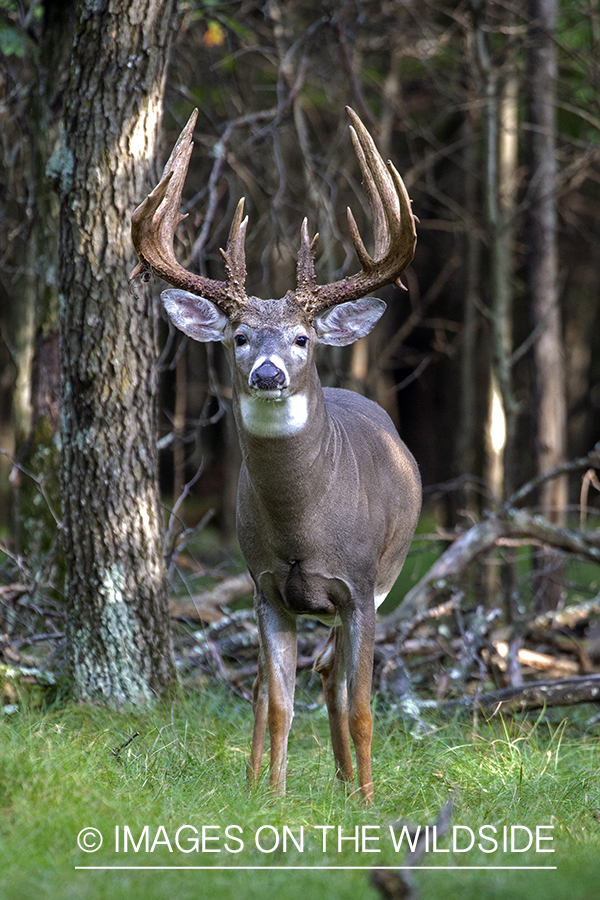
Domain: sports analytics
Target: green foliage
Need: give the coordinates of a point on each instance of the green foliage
(580, 70)
(12, 41)
(65, 771)
(14, 38)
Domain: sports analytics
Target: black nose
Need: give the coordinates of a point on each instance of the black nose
(267, 377)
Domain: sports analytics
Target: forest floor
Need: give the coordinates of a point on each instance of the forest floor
(533, 780)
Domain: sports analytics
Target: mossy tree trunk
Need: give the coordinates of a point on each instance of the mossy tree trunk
(118, 624)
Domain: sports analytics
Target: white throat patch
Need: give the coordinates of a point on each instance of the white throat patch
(379, 598)
(274, 417)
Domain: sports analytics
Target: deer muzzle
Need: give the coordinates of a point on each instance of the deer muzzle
(268, 377)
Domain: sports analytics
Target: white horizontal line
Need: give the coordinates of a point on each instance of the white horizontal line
(323, 868)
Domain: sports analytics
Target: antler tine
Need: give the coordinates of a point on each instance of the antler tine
(154, 222)
(306, 259)
(235, 254)
(393, 228)
(376, 182)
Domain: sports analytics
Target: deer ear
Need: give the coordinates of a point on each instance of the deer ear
(195, 316)
(347, 322)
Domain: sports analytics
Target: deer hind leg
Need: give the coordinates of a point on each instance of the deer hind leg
(358, 632)
(330, 666)
(278, 643)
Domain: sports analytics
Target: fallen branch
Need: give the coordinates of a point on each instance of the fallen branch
(570, 617)
(11, 591)
(237, 675)
(424, 615)
(535, 695)
(24, 684)
(207, 606)
(445, 574)
(545, 662)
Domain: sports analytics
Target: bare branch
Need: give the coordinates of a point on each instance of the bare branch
(584, 462)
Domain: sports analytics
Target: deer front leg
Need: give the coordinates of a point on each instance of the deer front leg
(277, 630)
(331, 667)
(359, 640)
(259, 707)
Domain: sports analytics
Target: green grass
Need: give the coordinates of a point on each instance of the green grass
(58, 774)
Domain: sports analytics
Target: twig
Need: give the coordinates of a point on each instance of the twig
(400, 885)
(415, 317)
(346, 47)
(35, 638)
(437, 612)
(39, 482)
(116, 750)
(219, 152)
(569, 617)
(574, 465)
(174, 517)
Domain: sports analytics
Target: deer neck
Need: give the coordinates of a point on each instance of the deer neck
(283, 442)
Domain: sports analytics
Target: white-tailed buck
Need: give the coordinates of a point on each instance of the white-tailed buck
(328, 496)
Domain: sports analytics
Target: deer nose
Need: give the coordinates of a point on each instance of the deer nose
(267, 377)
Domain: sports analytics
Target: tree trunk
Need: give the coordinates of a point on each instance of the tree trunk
(118, 624)
(542, 277)
(501, 160)
(466, 434)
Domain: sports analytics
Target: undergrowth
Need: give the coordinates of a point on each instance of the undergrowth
(76, 767)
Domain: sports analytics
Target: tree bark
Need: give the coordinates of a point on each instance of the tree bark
(118, 623)
(207, 605)
(500, 150)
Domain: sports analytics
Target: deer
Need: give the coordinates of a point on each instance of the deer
(329, 495)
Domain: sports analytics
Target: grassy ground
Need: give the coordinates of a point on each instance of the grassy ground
(59, 775)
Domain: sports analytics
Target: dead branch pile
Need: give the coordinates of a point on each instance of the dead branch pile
(446, 641)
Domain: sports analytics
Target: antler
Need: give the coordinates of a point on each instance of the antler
(155, 221)
(393, 227)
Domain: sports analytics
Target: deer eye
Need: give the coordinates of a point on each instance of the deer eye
(240, 340)
(301, 340)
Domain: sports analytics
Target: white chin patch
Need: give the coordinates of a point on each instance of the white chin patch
(274, 416)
